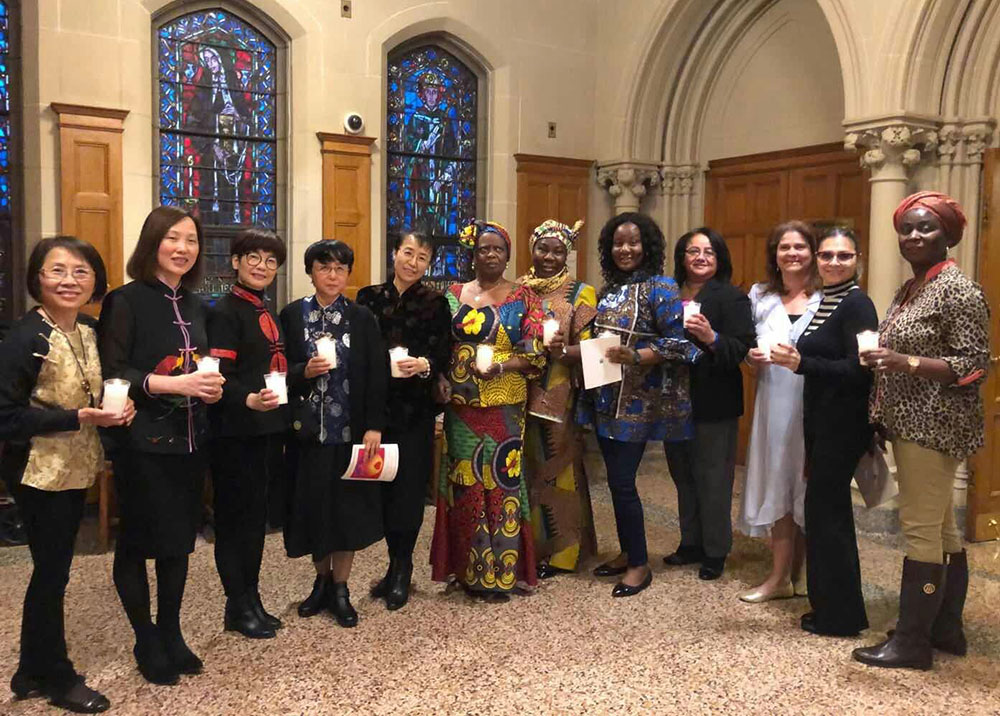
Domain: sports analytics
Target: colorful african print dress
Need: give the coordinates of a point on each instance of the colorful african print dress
(553, 450)
(482, 532)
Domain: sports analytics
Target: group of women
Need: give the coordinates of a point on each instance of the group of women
(292, 396)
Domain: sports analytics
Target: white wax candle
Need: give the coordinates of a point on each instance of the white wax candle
(691, 308)
(115, 395)
(867, 341)
(208, 364)
(326, 347)
(764, 344)
(484, 357)
(395, 355)
(275, 382)
(549, 329)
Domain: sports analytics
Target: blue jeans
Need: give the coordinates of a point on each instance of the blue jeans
(621, 460)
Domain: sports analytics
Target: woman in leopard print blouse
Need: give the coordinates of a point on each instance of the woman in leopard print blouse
(932, 355)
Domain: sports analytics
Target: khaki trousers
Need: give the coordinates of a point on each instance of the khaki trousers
(926, 484)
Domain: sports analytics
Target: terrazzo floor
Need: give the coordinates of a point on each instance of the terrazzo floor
(683, 646)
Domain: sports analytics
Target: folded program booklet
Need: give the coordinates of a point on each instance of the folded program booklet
(381, 468)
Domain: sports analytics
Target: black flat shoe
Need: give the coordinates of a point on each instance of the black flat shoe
(180, 655)
(808, 622)
(81, 699)
(241, 616)
(685, 554)
(609, 570)
(626, 590)
(268, 620)
(547, 571)
(153, 662)
(319, 597)
(711, 568)
(340, 606)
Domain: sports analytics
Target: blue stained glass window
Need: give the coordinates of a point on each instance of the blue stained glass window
(431, 142)
(7, 285)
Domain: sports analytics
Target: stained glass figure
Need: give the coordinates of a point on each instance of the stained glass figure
(7, 286)
(431, 144)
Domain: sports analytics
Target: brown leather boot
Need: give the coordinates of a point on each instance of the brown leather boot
(920, 596)
(947, 633)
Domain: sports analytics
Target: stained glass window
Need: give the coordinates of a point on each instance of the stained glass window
(218, 140)
(6, 235)
(432, 130)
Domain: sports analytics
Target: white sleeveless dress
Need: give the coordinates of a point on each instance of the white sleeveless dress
(774, 482)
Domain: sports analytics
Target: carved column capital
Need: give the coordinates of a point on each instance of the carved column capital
(893, 142)
(627, 181)
(678, 179)
(965, 141)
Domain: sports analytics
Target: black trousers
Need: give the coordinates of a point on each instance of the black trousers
(242, 471)
(403, 498)
(832, 566)
(703, 470)
(621, 460)
(51, 521)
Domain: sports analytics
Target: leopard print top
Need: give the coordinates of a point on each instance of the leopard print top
(948, 318)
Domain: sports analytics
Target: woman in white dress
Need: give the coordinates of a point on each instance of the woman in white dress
(773, 498)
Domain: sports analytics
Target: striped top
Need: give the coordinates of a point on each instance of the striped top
(832, 296)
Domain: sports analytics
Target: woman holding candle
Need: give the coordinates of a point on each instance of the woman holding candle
(837, 433)
(249, 424)
(774, 494)
(152, 332)
(337, 379)
(482, 534)
(718, 320)
(416, 326)
(652, 401)
(553, 451)
(50, 387)
(933, 354)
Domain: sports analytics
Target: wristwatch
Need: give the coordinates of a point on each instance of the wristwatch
(913, 363)
(636, 358)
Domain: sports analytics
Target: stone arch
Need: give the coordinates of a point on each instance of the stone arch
(281, 19)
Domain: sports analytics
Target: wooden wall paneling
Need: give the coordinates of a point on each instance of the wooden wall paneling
(347, 199)
(551, 188)
(90, 162)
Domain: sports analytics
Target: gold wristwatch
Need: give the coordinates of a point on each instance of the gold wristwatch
(913, 363)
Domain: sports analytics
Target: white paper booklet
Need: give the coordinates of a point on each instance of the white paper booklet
(598, 370)
(381, 468)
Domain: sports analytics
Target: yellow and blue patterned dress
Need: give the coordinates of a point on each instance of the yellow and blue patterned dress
(482, 533)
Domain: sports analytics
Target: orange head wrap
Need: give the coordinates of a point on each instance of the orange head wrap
(946, 209)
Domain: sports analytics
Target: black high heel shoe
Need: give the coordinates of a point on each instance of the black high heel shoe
(318, 598)
(340, 606)
(626, 590)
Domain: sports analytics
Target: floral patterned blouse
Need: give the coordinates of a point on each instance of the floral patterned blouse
(329, 400)
(948, 318)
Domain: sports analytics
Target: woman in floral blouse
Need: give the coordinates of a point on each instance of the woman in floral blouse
(933, 353)
(483, 535)
(652, 401)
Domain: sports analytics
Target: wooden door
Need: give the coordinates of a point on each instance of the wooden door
(551, 188)
(983, 509)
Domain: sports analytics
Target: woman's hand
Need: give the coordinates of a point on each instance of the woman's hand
(755, 357)
(884, 360)
(372, 440)
(263, 401)
(491, 372)
(623, 355)
(203, 385)
(317, 366)
(786, 356)
(410, 367)
(106, 418)
(557, 346)
(699, 327)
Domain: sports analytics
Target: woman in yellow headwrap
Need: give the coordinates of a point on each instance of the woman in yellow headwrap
(553, 455)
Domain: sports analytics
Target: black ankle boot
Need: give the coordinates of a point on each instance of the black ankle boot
(398, 592)
(268, 620)
(319, 597)
(920, 596)
(80, 698)
(947, 633)
(242, 617)
(151, 658)
(340, 605)
(382, 585)
(180, 655)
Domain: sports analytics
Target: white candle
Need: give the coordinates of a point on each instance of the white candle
(867, 341)
(549, 329)
(484, 357)
(326, 347)
(395, 355)
(115, 395)
(691, 308)
(275, 382)
(208, 364)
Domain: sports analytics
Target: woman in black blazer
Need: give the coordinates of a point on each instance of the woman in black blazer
(703, 468)
(334, 405)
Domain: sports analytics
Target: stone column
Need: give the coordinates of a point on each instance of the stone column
(890, 148)
(627, 181)
(681, 186)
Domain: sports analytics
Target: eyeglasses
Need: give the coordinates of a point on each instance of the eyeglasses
(694, 252)
(256, 259)
(60, 273)
(327, 269)
(841, 256)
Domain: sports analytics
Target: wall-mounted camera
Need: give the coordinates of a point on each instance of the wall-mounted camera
(354, 123)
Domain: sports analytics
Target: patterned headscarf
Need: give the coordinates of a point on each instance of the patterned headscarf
(471, 233)
(946, 209)
(552, 229)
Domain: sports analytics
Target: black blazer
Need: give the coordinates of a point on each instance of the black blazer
(367, 371)
(716, 381)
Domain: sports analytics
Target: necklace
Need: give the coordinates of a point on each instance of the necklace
(84, 382)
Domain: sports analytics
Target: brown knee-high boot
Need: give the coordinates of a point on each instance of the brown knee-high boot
(947, 633)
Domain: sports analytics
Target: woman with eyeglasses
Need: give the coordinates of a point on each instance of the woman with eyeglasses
(337, 397)
(482, 533)
(249, 425)
(837, 433)
(50, 409)
(703, 468)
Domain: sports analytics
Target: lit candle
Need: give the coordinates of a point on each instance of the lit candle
(764, 344)
(549, 329)
(690, 309)
(115, 395)
(326, 347)
(867, 341)
(484, 357)
(275, 382)
(208, 364)
(395, 355)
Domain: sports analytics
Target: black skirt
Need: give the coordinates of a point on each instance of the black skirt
(327, 514)
(159, 501)
(403, 499)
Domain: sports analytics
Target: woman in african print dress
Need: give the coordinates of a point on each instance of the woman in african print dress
(553, 454)
(482, 533)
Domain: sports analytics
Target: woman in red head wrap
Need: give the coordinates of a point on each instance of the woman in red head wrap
(933, 352)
